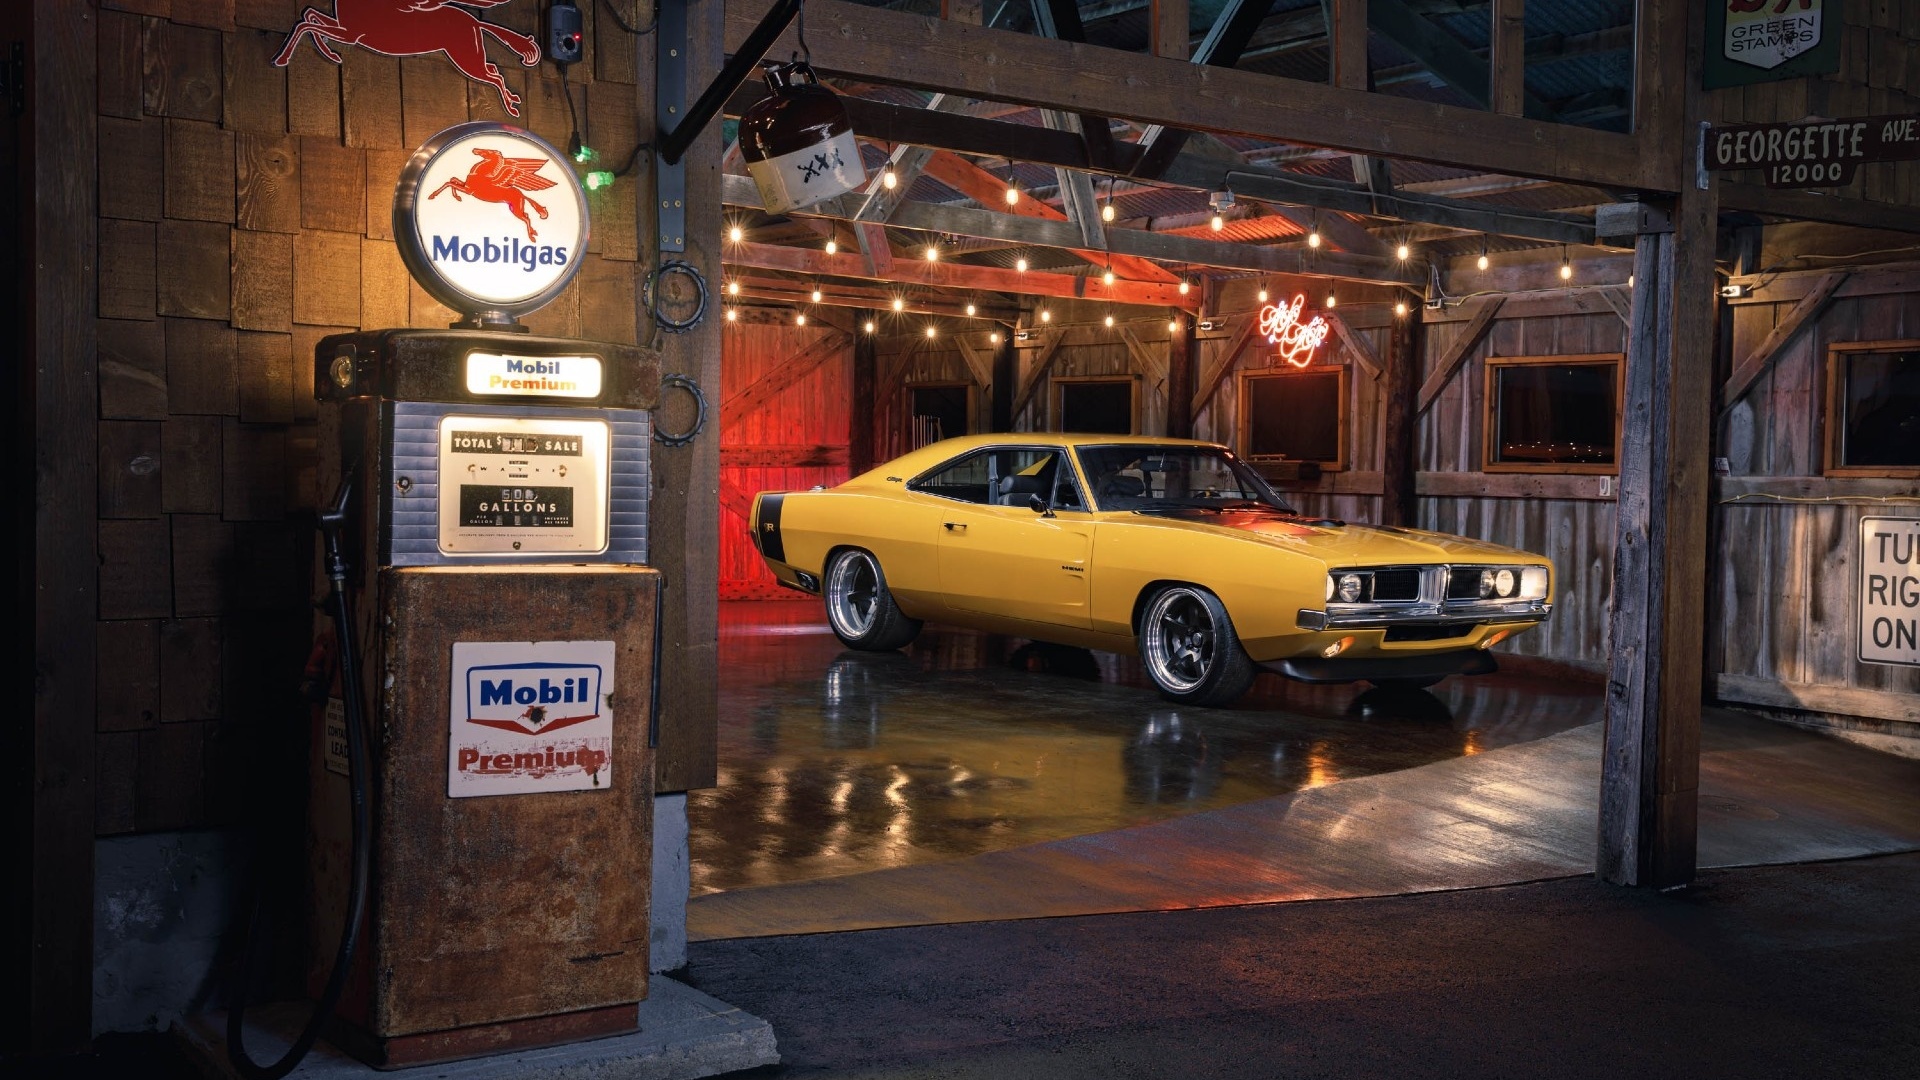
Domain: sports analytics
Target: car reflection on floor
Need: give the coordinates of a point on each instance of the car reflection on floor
(834, 762)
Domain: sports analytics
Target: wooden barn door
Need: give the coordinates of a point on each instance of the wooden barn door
(785, 396)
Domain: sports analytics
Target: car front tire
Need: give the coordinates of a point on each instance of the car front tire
(1190, 650)
(859, 607)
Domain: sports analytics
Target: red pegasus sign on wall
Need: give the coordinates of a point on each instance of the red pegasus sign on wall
(416, 28)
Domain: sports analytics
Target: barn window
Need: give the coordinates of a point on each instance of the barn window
(1101, 405)
(1295, 416)
(1873, 408)
(940, 412)
(1553, 413)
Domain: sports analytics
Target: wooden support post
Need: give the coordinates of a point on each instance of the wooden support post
(1508, 92)
(1651, 772)
(1398, 448)
(58, 402)
(1180, 378)
(1170, 34)
(860, 411)
(1004, 367)
(1347, 36)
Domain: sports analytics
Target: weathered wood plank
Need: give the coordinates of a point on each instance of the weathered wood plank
(190, 465)
(198, 256)
(333, 191)
(265, 363)
(817, 456)
(783, 376)
(134, 580)
(253, 471)
(133, 370)
(383, 286)
(254, 98)
(1042, 364)
(1357, 344)
(201, 377)
(1808, 309)
(313, 96)
(369, 99)
(326, 278)
(199, 171)
(1458, 350)
(1216, 374)
(262, 276)
(189, 669)
(117, 53)
(129, 465)
(1509, 57)
(128, 675)
(128, 285)
(267, 183)
(181, 71)
(203, 554)
(131, 181)
(1840, 700)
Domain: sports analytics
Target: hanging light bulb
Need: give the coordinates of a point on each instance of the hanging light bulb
(1400, 308)
(733, 287)
(800, 319)
(1185, 286)
(1263, 294)
(1106, 212)
(994, 338)
(1313, 235)
(899, 304)
(1107, 278)
(833, 246)
(887, 179)
(736, 234)
(970, 310)
(1173, 326)
(1109, 321)
(1045, 315)
(1332, 300)
(816, 294)
(1566, 265)
(867, 326)
(933, 253)
(1013, 190)
(1483, 253)
(1402, 252)
(1216, 223)
(930, 331)
(1020, 264)
(732, 315)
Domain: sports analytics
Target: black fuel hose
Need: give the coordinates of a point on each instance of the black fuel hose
(332, 521)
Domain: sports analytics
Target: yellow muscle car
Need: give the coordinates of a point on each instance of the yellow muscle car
(1170, 547)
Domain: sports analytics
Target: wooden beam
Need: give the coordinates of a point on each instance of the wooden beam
(1167, 31)
(1399, 448)
(874, 248)
(1482, 485)
(1763, 354)
(1042, 364)
(771, 456)
(1484, 310)
(52, 808)
(1211, 379)
(1347, 43)
(1620, 300)
(1357, 344)
(1442, 53)
(987, 189)
(861, 414)
(1338, 230)
(1816, 206)
(890, 378)
(1839, 700)
(1060, 19)
(912, 50)
(782, 377)
(1232, 29)
(1509, 58)
(1149, 361)
(956, 276)
(979, 362)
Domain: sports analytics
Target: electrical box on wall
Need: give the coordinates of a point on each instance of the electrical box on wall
(566, 41)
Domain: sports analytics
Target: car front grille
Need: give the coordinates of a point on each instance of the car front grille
(1400, 585)
(1464, 583)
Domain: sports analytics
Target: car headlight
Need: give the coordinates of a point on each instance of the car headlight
(1329, 586)
(1533, 583)
(1504, 582)
(1349, 587)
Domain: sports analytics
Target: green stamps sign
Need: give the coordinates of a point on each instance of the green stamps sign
(1752, 41)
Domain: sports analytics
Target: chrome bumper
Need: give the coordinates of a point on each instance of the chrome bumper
(1364, 616)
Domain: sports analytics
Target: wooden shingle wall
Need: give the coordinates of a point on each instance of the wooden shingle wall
(1879, 76)
(244, 214)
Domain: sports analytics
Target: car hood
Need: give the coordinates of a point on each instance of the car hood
(1341, 544)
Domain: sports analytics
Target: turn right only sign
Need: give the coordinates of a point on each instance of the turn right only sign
(1890, 590)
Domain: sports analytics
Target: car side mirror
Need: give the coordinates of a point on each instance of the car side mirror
(1039, 506)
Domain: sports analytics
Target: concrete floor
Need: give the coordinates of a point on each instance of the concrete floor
(834, 762)
(957, 783)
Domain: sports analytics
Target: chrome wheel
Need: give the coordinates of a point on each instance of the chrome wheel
(1180, 640)
(853, 594)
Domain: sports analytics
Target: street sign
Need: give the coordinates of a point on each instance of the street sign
(1813, 153)
(1890, 591)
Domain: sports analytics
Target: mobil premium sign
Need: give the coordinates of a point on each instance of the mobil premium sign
(530, 716)
(491, 220)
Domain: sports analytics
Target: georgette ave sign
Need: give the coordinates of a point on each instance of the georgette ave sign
(491, 220)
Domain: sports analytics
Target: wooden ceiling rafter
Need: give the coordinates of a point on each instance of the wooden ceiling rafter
(949, 275)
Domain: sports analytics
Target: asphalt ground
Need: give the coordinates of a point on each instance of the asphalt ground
(1787, 971)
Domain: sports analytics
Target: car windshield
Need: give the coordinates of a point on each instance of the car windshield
(1159, 478)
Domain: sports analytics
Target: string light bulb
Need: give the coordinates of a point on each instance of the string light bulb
(1107, 278)
(1483, 263)
(867, 326)
(899, 304)
(1332, 300)
(1173, 326)
(1046, 315)
(1013, 190)
(887, 179)
(1566, 264)
(994, 338)
(732, 315)
(1185, 286)
(1106, 212)
(1020, 264)
(815, 296)
(1400, 308)
(833, 247)
(1109, 321)
(733, 287)
(1263, 294)
(1217, 222)
(736, 234)
(933, 253)
(930, 331)
(1402, 252)
(1313, 234)
(971, 309)
(800, 319)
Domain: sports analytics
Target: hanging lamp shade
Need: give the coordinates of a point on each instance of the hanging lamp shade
(798, 143)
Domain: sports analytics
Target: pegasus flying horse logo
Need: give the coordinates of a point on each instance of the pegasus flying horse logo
(502, 179)
(416, 28)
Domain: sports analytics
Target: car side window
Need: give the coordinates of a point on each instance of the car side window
(970, 479)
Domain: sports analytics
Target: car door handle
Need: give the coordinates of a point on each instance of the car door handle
(953, 525)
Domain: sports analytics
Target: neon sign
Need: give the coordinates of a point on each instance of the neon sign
(1281, 325)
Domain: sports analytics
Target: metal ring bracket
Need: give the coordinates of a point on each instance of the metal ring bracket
(682, 382)
(676, 266)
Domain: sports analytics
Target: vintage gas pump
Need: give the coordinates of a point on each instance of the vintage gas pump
(495, 488)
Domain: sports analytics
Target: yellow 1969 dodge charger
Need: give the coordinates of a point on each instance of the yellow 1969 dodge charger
(1170, 547)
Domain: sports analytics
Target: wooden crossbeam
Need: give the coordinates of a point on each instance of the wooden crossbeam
(1221, 48)
(1042, 364)
(1210, 382)
(782, 377)
(988, 190)
(957, 276)
(1442, 53)
(1356, 343)
(1341, 232)
(1061, 19)
(893, 47)
(1486, 308)
(1153, 363)
(979, 362)
(779, 456)
(1763, 354)
(895, 372)
(1508, 62)
(1620, 300)
(735, 501)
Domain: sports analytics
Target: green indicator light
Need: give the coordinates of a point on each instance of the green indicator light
(599, 179)
(584, 154)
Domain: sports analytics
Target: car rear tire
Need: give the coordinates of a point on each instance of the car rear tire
(1190, 650)
(859, 607)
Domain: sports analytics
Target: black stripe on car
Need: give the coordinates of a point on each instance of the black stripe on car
(767, 536)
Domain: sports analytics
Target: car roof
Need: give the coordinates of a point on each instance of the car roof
(918, 461)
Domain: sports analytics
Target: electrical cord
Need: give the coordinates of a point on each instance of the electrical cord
(359, 767)
(622, 23)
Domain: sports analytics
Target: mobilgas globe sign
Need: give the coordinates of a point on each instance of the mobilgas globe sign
(491, 220)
